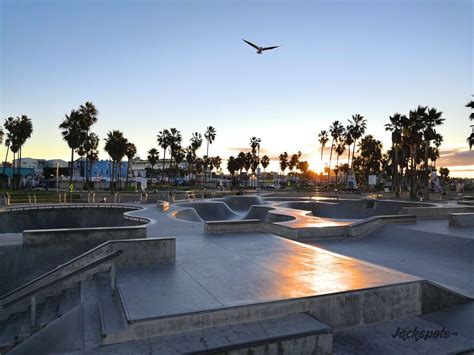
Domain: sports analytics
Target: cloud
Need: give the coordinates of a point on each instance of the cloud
(455, 157)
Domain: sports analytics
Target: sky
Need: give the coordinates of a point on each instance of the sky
(150, 65)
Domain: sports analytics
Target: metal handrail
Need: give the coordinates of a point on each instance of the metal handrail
(58, 280)
(59, 267)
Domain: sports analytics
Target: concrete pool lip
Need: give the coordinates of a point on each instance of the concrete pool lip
(293, 219)
(123, 225)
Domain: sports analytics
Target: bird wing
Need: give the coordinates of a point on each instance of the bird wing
(251, 44)
(268, 48)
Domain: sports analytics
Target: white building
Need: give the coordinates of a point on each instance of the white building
(39, 164)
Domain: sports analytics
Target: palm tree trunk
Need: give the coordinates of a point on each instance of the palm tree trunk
(395, 174)
(128, 170)
(349, 155)
(6, 158)
(163, 167)
(426, 178)
(112, 177)
(337, 168)
(330, 159)
(71, 168)
(353, 152)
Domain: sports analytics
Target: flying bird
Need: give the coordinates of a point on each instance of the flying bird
(259, 49)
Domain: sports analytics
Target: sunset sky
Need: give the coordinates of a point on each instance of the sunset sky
(149, 65)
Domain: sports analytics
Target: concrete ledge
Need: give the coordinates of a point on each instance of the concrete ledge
(372, 223)
(293, 334)
(436, 212)
(338, 310)
(241, 225)
(461, 220)
(76, 235)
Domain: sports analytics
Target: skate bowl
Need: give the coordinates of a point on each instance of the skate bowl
(228, 208)
(242, 203)
(352, 209)
(18, 219)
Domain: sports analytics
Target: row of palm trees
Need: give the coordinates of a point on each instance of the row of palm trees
(118, 147)
(76, 131)
(18, 130)
(342, 137)
(415, 147)
(248, 161)
(171, 141)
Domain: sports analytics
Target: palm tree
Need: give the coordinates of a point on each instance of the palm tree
(73, 134)
(89, 116)
(130, 153)
(196, 141)
(163, 139)
(23, 133)
(340, 149)
(153, 157)
(336, 131)
(470, 104)
(232, 167)
(210, 136)
(91, 145)
(175, 140)
(323, 138)
(10, 127)
(358, 126)
(283, 162)
(395, 126)
(265, 162)
(432, 119)
(115, 146)
(412, 130)
(348, 140)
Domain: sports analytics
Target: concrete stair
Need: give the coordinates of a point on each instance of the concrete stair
(18, 328)
(112, 317)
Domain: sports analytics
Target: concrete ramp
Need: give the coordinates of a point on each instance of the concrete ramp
(209, 211)
(241, 203)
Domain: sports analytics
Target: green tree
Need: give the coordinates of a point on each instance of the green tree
(210, 136)
(163, 139)
(323, 138)
(358, 126)
(265, 162)
(115, 146)
(153, 157)
(73, 134)
(336, 131)
(130, 153)
(395, 126)
(283, 161)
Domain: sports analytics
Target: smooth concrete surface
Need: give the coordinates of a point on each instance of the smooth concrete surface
(293, 334)
(461, 220)
(387, 338)
(225, 271)
(428, 249)
(64, 334)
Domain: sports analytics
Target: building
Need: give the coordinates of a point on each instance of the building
(138, 166)
(38, 165)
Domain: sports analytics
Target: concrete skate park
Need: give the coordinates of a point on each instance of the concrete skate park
(262, 274)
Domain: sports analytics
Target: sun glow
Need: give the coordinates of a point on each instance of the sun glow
(316, 165)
